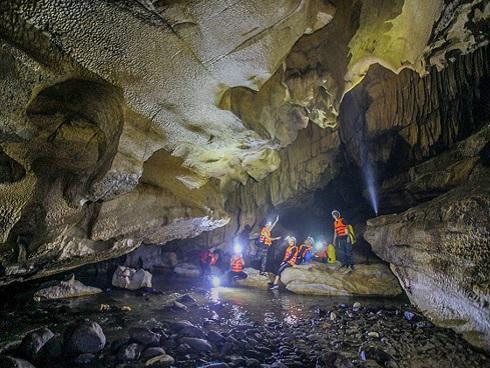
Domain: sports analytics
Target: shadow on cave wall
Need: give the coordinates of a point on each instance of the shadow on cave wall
(74, 129)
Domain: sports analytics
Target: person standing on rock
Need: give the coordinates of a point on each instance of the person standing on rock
(341, 240)
(264, 243)
(289, 260)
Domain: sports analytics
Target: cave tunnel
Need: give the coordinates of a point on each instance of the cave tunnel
(147, 149)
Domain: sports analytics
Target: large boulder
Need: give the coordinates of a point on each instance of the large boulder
(11, 362)
(129, 278)
(199, 345)
(440, 251)
(324, 279)
(152, 258)
(187, 270)
(254, 279)
(84, 337)
(34, 341)
(65, 289)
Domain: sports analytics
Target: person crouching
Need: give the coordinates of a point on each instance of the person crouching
(289, 260)
(237, 264)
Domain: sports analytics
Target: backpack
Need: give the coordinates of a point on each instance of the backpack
(352, 234)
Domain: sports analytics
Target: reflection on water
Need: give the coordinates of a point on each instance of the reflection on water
(262, 304)
(234, 304)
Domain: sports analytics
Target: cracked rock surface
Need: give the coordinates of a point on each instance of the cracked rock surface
(148, 121)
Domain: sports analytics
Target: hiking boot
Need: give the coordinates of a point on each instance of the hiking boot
(274, 287)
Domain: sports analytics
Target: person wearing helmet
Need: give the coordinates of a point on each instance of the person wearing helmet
(305, 251)
(237, 264)
(289, 260)
(264, 243)
(341, 240)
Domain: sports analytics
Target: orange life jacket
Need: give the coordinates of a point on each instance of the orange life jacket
(265, 236)
(291, 254)
(204, 256)
(237, 263)
(340, 227)
(322, 254)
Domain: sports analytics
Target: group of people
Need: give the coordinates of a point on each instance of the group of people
(294, 254)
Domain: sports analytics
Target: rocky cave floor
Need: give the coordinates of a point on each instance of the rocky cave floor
(231, 327)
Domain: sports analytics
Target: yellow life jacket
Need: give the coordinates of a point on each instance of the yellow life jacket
(352, 234)
(331, 257)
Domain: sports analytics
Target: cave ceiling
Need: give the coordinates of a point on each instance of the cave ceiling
(155, 109)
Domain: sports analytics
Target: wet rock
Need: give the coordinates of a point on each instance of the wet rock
(237, 361)
(373, 334)
(370, 364)
(253, 363)
(356, 305)
(408, 315)
(333, 316)
(144, 336)
(180, 306)
(11, 362)
(179, 325)
(189, 270)
(191, 331)
(116, 344)
(53, 349)
(168, 343)
(374, 353)
(152, 352)
(334, 360)
(33, 342)
(163, 360)
(324, 279)
(84, 337)
(199, 345)
(129, 278)
(424, 324)
(129, 352)
(84, 359)
(65, 289)
(254, 279)
(187, 299)
(226, 348)
(183, 349)
(250, 353)
(215, 337)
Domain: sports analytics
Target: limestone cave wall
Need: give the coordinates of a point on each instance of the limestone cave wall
(134, 122)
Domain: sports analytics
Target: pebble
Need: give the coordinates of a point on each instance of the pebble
(163, 360)
(129, 352)
(144, 336)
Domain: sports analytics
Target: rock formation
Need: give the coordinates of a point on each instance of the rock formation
(440, 249)
(133, 122)
(64, 289)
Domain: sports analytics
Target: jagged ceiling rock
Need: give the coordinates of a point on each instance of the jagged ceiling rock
(192, 52)
(392, 122)
(100, 97)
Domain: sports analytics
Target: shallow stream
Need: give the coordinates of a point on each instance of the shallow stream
(301, 326)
